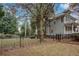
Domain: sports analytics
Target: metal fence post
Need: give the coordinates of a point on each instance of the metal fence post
(20, 40)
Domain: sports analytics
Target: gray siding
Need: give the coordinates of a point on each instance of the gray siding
(57, 27)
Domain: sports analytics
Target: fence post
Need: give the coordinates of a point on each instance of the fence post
(20, 40)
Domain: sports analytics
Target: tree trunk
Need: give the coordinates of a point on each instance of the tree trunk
(40, 23)
(40, 31)
(45, 24)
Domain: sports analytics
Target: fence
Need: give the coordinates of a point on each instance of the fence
(14, 41)
(60, 37)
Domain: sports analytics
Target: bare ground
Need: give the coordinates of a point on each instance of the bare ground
(46, 48)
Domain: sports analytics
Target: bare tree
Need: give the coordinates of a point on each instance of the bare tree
(40, 12)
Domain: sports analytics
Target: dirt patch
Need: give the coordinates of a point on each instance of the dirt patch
(46, 49)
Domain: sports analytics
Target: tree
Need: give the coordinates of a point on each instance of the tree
(1, 11)
(26, 31)
(33, 27)
(1, 16)
(40, 13)
(8, 24)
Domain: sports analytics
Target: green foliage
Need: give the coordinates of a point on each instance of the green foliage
(1, 15)
(33, 27)
(8, 23)
(1, 11)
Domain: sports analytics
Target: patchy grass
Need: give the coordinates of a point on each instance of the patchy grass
(47, 48)
(15, 42)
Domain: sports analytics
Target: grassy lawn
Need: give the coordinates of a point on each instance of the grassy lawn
(47, 48)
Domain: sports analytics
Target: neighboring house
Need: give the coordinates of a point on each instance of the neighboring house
(66, 24)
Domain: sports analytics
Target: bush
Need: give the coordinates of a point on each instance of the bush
(8, 36)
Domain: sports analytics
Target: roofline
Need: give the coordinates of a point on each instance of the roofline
(62, 15)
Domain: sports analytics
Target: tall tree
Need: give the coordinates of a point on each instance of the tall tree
(8, 23)
(1, 11)
(26, 29)
(1, 16)
(40, 13)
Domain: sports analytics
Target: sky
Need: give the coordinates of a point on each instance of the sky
(59, 8)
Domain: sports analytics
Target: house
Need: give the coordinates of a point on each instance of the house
(63, 24)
